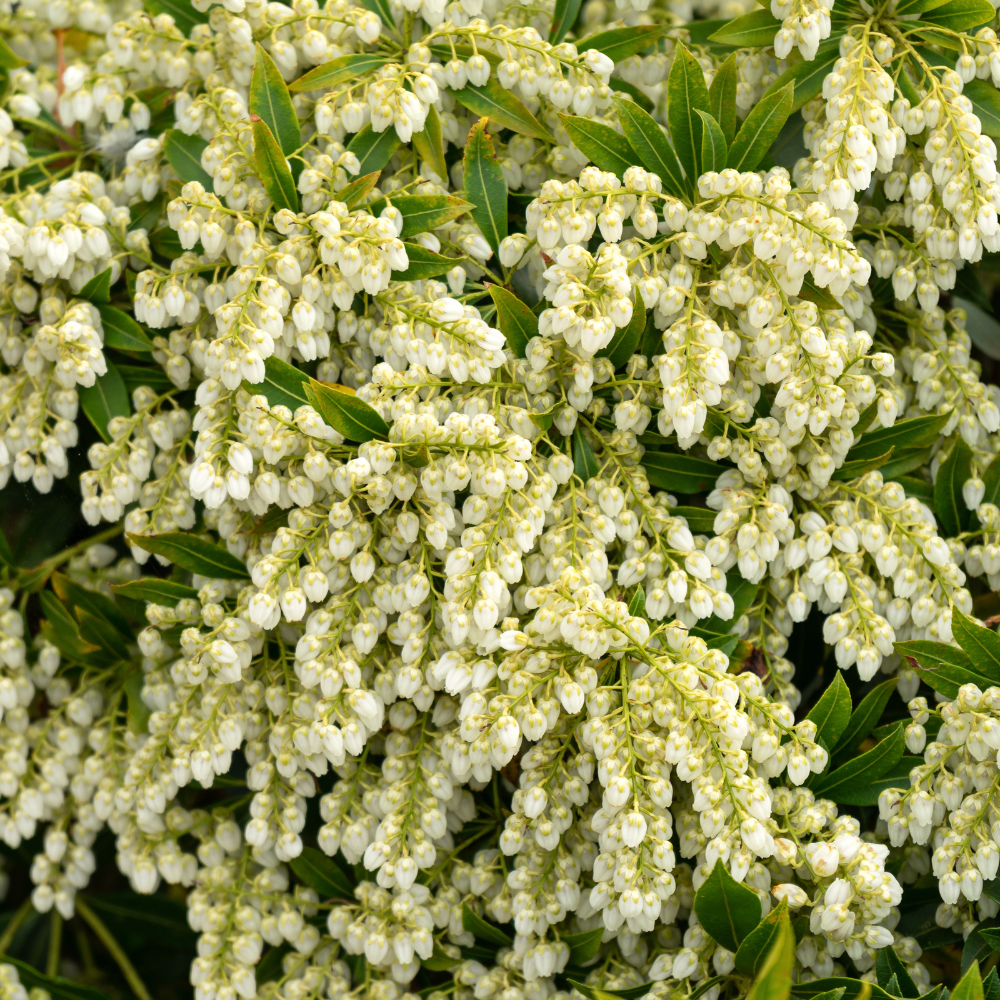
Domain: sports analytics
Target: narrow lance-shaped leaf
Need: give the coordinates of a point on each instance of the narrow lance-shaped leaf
(271, 102)
(651, 145)
(686, 95)
(514, 319)
(761, 128)
(722, 98)
(600, 143)
(713, 144)
(272, 168)
(485, 186)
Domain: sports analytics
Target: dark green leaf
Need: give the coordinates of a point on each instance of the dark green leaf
(323, 874)
(98, 289)
(713, 144)
(514, 320)
(492, 101)
(93, 601)
(888, 966)
(485, 186)
(146, 214)
(807, 76)
(897, 776)
(790, 145)
(102, 634)
(755, 947)
(153, 376)
(981, 644)
(600, 143)
(65, 629)
(584, 463)
(949, 505)
(650, 144)
(272, 167)
(56, 987)
(193, 553)
(620, 43)
(846, 783)
(680, 473)
(6, 554)
(637, 606)
(722, 98)
(583, 947)
(354, 194)
(440, 961)
(338, 71)
(283, 384)
(912, 433)
(422, 212)
(184, 155)
(852, 988)
(425, 263)
(919, 488)
(985, 104)
(628, 993)
(429, 144)
(700, 520)
(625, 342)
(384, 11)
(960, 15)
(271, 102)
(122, 332)
(743, 593)
(483, 930)
(832, 712)
(686, 94)
(184, 15)
(726, 909)
(761, 128)
(863, 720)
(942, 666)
(563, 18)
(139, 921)
(918, 6)
(991, 482)
(155, 591)
(904, 460)
(753, 30)
(991, 984)
(373, 149)
(858, 467)
(346, 412)
(774, 979)
(105, 399)
(621, 86)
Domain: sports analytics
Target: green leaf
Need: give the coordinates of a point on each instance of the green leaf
(722, 98)
(271, 102)
(620, 43)
(184, 15)
(743, 592)
(912, 433)
(422, 212)
(637, 606)
(424, 263)
(272, 167)
(650, 144)
(485, 186)
(440, 960)
(846, 783)
(863, 720)
(625, 342)
(345, 412)
(753, 30)
(122, 332)
(600, 143)
(584, 463)
(680, 473)
(64, 631)
(980, 643)
(6, 554)
(755, 947)
(919, 488)
(713, 144)
(153, 376)
(282, 385)
(563, 18)
(620, 86)
(337, 71)
(761, 128)
(482, 930)
(55, 986)
(944, 667)
(354, 194)
(832, 712)
(960, 15)
(985, 104)
(93, 601)
(146, 214)
(193, 553)
(991, 482)
(949, 504)
(991, 984)
(902, 461)
(139, 921)
(384, 11)
(726, 909)
(373, 149)
(514, 319)
(686, 94)
(155, 590)
(970, 986)
(888, 966)
(323, 874)
(858, 467)
(429, 144)
(918, 6)
(102, 634)
(774, 980)
(184, 155)
(98, 289)
(628, 993)
(583, 947)
(492, 101)
(105, 399)
(700, 520)
(853, 988)
(897, 776)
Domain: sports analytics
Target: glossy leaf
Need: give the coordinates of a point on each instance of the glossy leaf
(425, 263)
(985, 104)
(918, 6)
(64, 630)
(283, 384)
(620, 43)
(991, 482)
(650, 144)
(584, 462)
(600, 143)
(564, 17)
(122, 332)
(982, 645)
(346, 412)
(637, 606)
(384, 11)
(271, 102)
(98, 604)
(272, 167)
(146, 214)
(422, 212)
(183, 152)
(756, 946)
(625, 342)
(970, 986)
(752, 30)
(744, 593)
(915, 432)
(726, 909)
(485, 186)
(686, 94)
(700, 520)
(862, 721)
(583, 947)
(832, 712)
(853, 989)
(722, 98)
(429, 144)
(514, 319)
(713, 144)
(373, 149)
(337, 71)
(492, 101)
(102, 634)
(847, 782)
(942, 666)
(105, 399)
(949, 504)
(98, 289)
(628, 993)
(680, 473)
(961, 15)
(193, 553)
(774, 978)
(761, 128)
(482, 930)
(888, 966)
(57, 987)
(440, 960)
(155, 590)
(354, 194)
(185, 16)
(323, 874)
